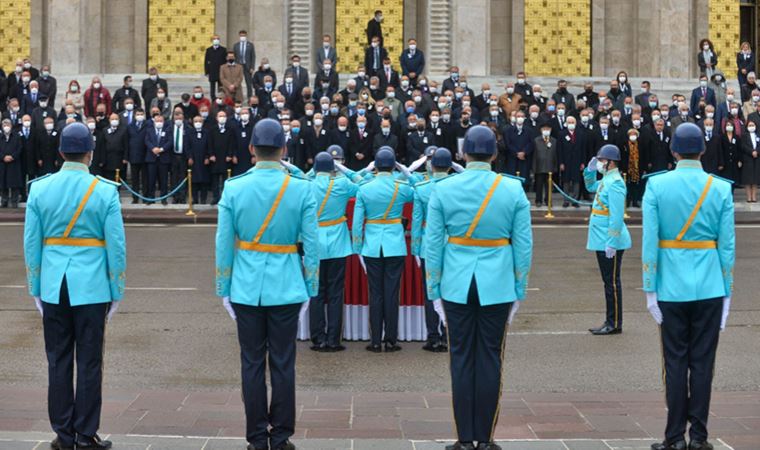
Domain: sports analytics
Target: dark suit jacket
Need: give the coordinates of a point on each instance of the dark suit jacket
(290, 99)
(385, 82)
(374, 28)
(150, 88)
(330, 78)
(411, 63)
(250, 54)
(572, 155)
(381, 140)
(361, 145)
(135, 152)
(28, 105)
(221, 145)
(713, 156)
(369, 59)
(696, 94)
(300, 76)
(214, 59)
(164, 141)
(121, 94)
(319, 57)
(416, 144)
(115, 145)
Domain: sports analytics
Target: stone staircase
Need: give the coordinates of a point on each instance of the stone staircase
(439, 37)
(300, 28)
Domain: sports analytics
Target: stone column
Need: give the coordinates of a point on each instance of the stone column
(676, 49)
(598, 38)
(67, 29)
(517, 42)
(269, 29)
(471, 44)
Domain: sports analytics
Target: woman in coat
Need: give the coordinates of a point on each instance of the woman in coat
(707, 58)
(745, 63)
(731, 147)
(198, 162)
(75, 94)
(11, 175)
(750, 161)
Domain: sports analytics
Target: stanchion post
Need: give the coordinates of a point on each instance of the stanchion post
(190, 211)
(118, 176)
(549, 186)
(229, 173)
(625, 208)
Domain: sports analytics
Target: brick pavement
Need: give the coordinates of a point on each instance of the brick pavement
(384, 419)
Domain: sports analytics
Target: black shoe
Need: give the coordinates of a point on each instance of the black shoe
(594, 330)
(680, 445)
(575, 205)
(287, 445)
(147, 203)
(390, 348)
(135, 201)
(441, 347)
(461, 446)
(14, 205)
(538, 204)
(430, 346)
(164, 202)
(317, 347)
(605, 330)
(697, 445)
(334, 348)
(488, 446)
(565, 205)
(57, 445)
(92, 443)
(374, 348)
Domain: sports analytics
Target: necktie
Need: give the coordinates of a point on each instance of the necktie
(289, 90)
(388, 74)
(176, 140)
(709, 136)
(158, 134)
(377, 52)
(242, 52)
(26, 132)
(704, 92)
(129, 118)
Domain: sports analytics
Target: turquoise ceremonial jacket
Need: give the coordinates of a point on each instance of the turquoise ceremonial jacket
(375, 201)
(332, 195)
(669, 214)
(422, 192)
(261, 278)
(94, 274)
(501, 273)
(606, 227)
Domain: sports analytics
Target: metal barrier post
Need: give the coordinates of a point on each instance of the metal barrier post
(190, 211)
(550, 186)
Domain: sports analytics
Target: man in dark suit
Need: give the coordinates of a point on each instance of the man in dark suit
(374, 56)
(42, 111)
(359, 152)
(712, 158)
(417, 141)
(412, 61)
(45, 149)
(48, 85)
(385, 138)
(180, 131)
(300, 74)
(158, 150)
(702, 92)
(326, 52)
(122, 94)
(216, 56)
(572, 156)
(655, 147)
(135, 154)
(519, 142)
(222, 143)
(150, 86)
(326, 75)
(245, 55)
(643, 98)
(388, 77)
(115, 143)
(31, 99)
(289, 89)
(374, 29)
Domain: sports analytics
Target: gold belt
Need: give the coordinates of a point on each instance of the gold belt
(383, 221)
(76, 242)
(267, 248)
(689, 245)
(599, 212)
(472, 242)
(329, 223)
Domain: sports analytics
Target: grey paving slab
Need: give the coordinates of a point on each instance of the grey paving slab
(586, 445)
(382, 444)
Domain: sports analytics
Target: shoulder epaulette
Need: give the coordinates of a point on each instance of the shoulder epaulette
(298, 176)
(722, 179)
(106, 180)
(238, 176)
(401, 181)
(514, 177)
(421, 183)
(654, 174)
(39, 178)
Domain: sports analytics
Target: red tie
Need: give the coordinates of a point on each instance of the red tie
(572, 138)
(388, 74)
(704, 92)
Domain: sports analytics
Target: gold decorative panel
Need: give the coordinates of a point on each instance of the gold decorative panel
(178, 33)
(15, 25)
(351, 30)
(724, 33)
(558, 37)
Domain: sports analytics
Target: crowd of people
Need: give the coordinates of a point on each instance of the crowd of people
(152, 139)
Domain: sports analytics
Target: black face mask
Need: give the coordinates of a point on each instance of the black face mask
(230, 61)
(420, 128)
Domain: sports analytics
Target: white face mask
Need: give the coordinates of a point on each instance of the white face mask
(510, 90)
(601, 167)
(129, 106)
(159, 125)
(546, 133)
(265, 66)
(26, 79)
(49, 126)
(729, 128)
(114, 123)
(435, 119)
(604, 126)
(160, 96)
(708, 129)
(238, 109)
(215, 42)
(96, 85)
(730, 97)
(341, 128)
(286, 128)
(561, 112)
(494, 113)
(571, 126)
(178, 122)
(637, 123)
(633, 138)
(198, 125)
(446, 117)
(318, 122)
(6, 130)
(734, 111)
(710, 115)
(27, 123)
(139, 118)
(412, 46)
(222, 120)
(91, 125)
(327, 66)
(521, 120)
(245, 117)
(751, 129)
(533, 115)
(584, 119)
(243, 38)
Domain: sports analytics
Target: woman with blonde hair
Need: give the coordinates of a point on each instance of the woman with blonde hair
(745, 63)
(75, 94)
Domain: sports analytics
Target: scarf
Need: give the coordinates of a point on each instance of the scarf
(633, 162)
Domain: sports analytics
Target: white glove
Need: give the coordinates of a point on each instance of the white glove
(513, 311)
(304, 310)
(592, 164)
(419, 261)
(404, 170)
(364, 266)
(371, 166)
(289, 166)
(653, 307)
(726, 308)
(457, 167)
(418, 163)
(438, 307)
(38, 304)
(112, 311)
(228, 306)
(340, 167)
(610, 252)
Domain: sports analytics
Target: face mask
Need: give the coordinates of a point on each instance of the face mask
(375, 44)
(361, 112)
(734, 111)
(222, 120)
(684, 114)
(245, 117)
(96, 85)
(352, 103)
(139, 118)
(285, 118)
(621, 79)
(15, 109)
(510, 90)
(390, 94)
(286, 128)
(238, 109)
(198, 125)
(423, 82)
(243, 38)
(288, 80)
(318, 122)
(280, 105)
(604, 126)
(710, 115)
(709, 129)
(571, 126)
(521, 81)
(265, 66)
(404, 84)
(154, 77)
(27, 123)
(161, 96)
(435, 119)
(91, 125)
(446, 117)
(729, 128)
(703, 83)
(454, 75)
(334, 111)
(204, 114)
(412, 46)
(441, 105)
(637, 123)
(410, 109)
(459, 95)
(361, 74)
(463, 84)
(628, 107)
(327, 66)
(341, 128)
(655, 117)
(159, 125)
(27, 65)
(417, 99)
(361, 125)
(521, 120)
(268, 85)
(705, 47)
(653, 104)
(546, 133)
(411, 125)
(632, 138)
(219, 101)
(494, 113)
(584, 119)
(386, 130)
(35, 90)
(755, 98)
(730, 97)
(74, 88)
(114, 123)
(49, 126)
(6, 130)
(616, 120)
(751, 129)
(537, 94)
(601, 167)
(215, 42)
(533, 115)
(325, 44)
(19, 69)
(43, 104)
(551, 108)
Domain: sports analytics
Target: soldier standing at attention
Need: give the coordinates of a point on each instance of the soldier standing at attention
(76, 257)
(688, 264)
(263, 282)
(332, 193)
(479, 246)
(607, 233)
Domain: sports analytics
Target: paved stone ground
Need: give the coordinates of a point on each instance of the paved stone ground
(334, 420)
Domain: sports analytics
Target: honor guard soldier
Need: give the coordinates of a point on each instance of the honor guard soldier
(607, 233)
(332, 194)
(378, 237)
(75, 255)
(478, 244)
(440, 166)
(263, 282)
(688, 264)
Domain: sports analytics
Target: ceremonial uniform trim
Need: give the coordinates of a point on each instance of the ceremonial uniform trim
(329, 223)
(255, 245)
(77, 242)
